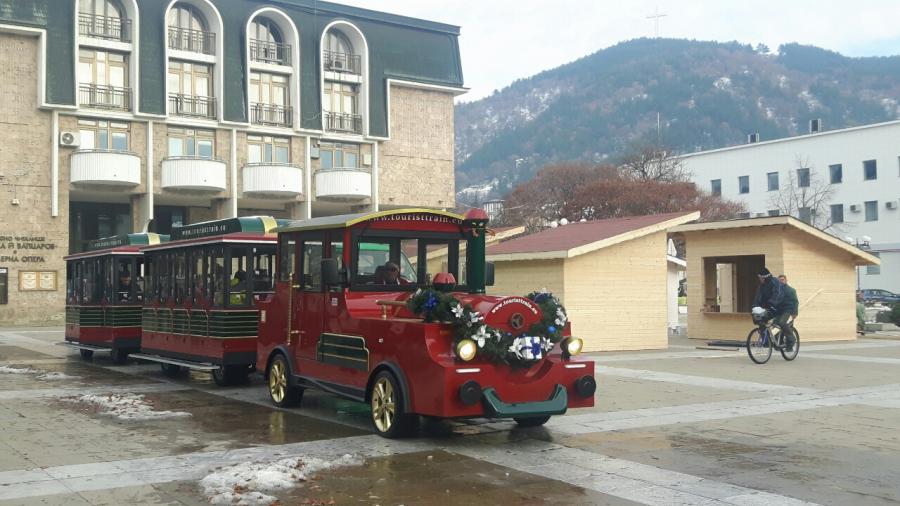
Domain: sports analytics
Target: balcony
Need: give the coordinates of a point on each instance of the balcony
(192, 173)
(270, 52)
(346, 123)
(343, 184)
(342, 62)
(273, 179)
(101, 96)
(194, 41)
(196, 106)
(272, 115)
(105, 167)
(104, 27)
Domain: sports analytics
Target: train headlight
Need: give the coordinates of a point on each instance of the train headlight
(572, 345)
(466, 349)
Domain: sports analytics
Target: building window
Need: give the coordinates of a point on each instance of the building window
(772, 178)
(103, 79)
(103, 135)
(340, 104)
(805, 214)
(266, 149)
(269, 99)
(803, 177)
(837, 213)
(188, 30)
(744, 216)
(103, 19)
(267, 42)
(872, 210)
(873, 270)
(715, 186)
(191, 143)
(774, 212)
(338, 156)
(870, 170)
(744, 184)
(837, 173)
(337, 55)
(190, 89)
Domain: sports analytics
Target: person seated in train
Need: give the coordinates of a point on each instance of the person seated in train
(124, 290)
(392, 275)
(239, 288)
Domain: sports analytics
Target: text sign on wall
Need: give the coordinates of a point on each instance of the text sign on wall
(24, 249)
(37, 281)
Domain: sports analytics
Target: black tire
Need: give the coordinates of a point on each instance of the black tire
(532, 421)
(172, 370)
(228, 375)
(791, 355)
(389, 418)
(758, 352)
(86, 354)
(278, 379)
(118, 356)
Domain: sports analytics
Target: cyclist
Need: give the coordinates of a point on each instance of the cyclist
(792, 307)
(770, 295)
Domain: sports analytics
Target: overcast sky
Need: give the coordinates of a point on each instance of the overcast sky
(503, 40)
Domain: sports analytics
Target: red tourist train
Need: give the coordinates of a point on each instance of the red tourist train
(104, 295)
(389, 308)
(203, 288)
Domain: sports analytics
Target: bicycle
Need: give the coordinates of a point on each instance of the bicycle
(768, 335)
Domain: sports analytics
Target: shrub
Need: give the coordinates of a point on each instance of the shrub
(895, 314)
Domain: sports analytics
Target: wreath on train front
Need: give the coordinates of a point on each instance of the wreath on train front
(496, 345)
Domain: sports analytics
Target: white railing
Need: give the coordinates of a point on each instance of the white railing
(343, 184)
(273, 179)
(193, 173)
(105, 167)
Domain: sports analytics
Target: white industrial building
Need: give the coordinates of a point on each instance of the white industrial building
(862, 165)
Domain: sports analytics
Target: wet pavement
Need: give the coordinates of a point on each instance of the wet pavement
(681, 426)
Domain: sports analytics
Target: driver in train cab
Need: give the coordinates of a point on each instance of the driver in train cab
(392, 274)
(239, 288)
(124, 290)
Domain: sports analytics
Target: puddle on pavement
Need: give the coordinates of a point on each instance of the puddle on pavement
(63, 374)
(17, 353)
(429, 478)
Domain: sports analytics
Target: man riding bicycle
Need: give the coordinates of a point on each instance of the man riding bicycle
(771, 296)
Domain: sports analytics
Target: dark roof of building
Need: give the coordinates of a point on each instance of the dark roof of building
(385, 17)
(560, 241)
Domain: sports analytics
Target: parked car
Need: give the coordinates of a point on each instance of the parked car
(872, 296)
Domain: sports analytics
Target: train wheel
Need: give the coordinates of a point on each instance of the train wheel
(86, 354)
(282, 393)
(171, 370)
(388, 416)
(532, 421)
(118, 356)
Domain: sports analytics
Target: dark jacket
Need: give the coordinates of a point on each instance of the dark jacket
(791, 304)
(770, 295)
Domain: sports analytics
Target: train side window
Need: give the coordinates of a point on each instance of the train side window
(165, 277)
(200, 272)
(263, 269)
(238, 284)
(139, 277)
(77, 278)
(124, 280)
(311, 270)
(217, 277)
(89, 282)
(288, 248)
(179, 273)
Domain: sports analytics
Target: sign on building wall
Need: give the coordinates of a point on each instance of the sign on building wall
(4, 285)
(37, 281)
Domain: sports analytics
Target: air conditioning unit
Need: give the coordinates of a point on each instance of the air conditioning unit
(367, 159)
(891, 204)
(753, 138)
(854, 208)
(337, 64)
(314, 152)
(69, 139)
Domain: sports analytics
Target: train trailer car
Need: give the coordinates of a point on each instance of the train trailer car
(104, 295)
(203, 287)
(389, 308)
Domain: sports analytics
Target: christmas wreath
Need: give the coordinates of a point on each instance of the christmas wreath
(494, 344)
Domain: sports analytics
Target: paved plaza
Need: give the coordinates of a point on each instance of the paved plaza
(681, 426)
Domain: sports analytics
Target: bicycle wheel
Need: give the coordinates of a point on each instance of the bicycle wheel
(759, 346)
(791, 355)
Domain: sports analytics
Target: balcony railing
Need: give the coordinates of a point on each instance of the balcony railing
(104, 27)
(104, 97)
(270, 52)
(338, 122)
(274, 115)
(105, 167)
(195, 41)
(342, 62)
(192, 105)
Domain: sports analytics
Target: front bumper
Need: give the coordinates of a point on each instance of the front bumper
(496, 408)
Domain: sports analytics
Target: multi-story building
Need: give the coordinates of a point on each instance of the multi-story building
(858, 167)
(134, 115)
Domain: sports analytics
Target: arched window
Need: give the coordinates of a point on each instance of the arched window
(267, 42)
(264, 29)
(104, 19)
(187, 17)
(337, 42)
(338, 53)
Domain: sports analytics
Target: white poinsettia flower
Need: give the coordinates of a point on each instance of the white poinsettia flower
(561, 318)
(481, 336)
(458, 311)
(474, 318)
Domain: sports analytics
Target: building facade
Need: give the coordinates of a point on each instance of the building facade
(126, 116)
(859, 166)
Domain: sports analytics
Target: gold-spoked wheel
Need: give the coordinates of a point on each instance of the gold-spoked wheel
(282, 393)
(384, 407)
(388, 415)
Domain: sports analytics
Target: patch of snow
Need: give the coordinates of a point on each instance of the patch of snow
(692, 104)
(477, 191)
(252, 483)
(41, 375)
(890, 106)
(811, 101)
(782, 81)
(722, 83)
(125, 406)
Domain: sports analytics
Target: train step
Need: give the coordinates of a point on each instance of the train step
(197, 366)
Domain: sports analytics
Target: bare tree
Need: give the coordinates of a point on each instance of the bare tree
(654, 163)
(805, 196)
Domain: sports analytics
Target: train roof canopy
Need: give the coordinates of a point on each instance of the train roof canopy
(246, 224)
(348, 220)
(142, 239)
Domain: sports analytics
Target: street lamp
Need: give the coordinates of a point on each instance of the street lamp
(863, 244)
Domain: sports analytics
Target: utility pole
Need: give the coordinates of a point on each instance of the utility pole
(655, 17)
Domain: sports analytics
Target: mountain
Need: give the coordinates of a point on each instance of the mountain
(707, 95)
